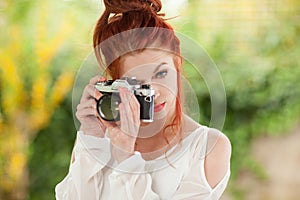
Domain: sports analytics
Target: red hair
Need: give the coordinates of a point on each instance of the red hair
(134, 26)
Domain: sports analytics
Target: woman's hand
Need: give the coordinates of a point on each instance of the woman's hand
(123, 134)
(86, 113)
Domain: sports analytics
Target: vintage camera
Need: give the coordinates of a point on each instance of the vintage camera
(107, 105)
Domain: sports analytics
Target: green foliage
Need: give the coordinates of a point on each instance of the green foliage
(50, 153)
(260, 70)
(42, 43)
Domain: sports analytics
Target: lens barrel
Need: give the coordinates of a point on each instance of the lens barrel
(108, 107)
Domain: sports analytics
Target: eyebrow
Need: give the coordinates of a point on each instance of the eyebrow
(158, 66)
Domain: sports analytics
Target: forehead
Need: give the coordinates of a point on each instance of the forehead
(145, 61)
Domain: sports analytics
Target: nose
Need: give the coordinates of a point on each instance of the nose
(156, 95)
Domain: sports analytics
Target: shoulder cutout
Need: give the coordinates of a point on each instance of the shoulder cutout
(217, 159)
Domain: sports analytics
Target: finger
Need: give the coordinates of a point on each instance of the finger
(123, 96)
(96, 79)
(126, 111)
(132, 105)
(90, 92)
(135, 107)
(90, 103)
(123, 118)
(82, 113)
(128, 125)
(92, 125)
(130, 118)
(92, 122)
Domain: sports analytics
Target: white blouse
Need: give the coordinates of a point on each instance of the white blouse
(177, 175)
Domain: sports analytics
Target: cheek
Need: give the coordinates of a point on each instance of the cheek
(168, 85)
(167, 93)
(171, 103)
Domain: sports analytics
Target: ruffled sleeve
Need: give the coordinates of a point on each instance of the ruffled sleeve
(86, 177)
(194, 185)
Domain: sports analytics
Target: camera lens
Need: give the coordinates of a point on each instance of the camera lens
(108, 107)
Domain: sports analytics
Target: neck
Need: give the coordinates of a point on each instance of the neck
(156, 145)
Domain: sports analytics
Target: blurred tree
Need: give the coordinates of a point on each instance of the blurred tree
(36, 73)
(254, 43)
(256, 46)
(50, 153)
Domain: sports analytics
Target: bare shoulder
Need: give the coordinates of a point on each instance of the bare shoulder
(217, 158)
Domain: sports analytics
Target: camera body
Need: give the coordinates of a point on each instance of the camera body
(108, 104)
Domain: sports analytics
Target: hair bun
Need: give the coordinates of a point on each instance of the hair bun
(123, 6)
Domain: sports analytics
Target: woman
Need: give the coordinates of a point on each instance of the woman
(172, 157)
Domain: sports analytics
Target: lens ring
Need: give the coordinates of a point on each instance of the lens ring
(105, 108)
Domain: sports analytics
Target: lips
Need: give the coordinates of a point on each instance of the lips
(159, 107)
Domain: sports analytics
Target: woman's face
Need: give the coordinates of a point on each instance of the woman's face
(157, 68)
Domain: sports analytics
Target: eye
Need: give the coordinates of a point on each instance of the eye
(161, 74)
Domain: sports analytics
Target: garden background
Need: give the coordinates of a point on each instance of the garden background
(254, 43)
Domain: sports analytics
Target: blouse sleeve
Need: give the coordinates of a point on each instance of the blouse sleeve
(91, 155)
(194, 185)
(85, 177)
